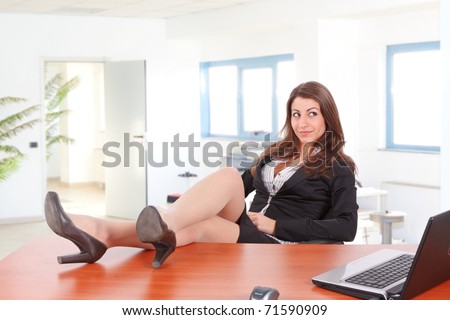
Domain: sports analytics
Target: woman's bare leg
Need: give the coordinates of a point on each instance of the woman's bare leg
(112, 232)
(214, 229)
(219, 194)
(206, 212)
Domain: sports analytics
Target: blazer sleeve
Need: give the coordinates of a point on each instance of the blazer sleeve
(340, 223)
(247, 179)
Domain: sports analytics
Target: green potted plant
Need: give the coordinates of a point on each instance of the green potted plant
(12, 125)
(56, 90)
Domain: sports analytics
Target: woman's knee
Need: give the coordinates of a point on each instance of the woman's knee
(231, 175)
(230, 171)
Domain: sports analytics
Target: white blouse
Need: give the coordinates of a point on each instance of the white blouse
(274, 183)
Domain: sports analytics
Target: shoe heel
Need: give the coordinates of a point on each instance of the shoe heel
(59, 222)
(163, 249)
(150, 228)
(82, 257)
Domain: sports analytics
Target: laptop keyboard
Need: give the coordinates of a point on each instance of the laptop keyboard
(384, 274)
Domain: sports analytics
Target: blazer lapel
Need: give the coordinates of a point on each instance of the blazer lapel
(294, 180)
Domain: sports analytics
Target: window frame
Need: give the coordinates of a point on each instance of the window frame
(391, 50)
(241, 65)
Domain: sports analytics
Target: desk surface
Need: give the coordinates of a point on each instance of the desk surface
(198, 271)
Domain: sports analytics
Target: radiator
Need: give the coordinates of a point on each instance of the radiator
(418, 201)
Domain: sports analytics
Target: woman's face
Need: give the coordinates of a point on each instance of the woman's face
(307, 120)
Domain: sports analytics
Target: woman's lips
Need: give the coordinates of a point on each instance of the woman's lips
(305, 133)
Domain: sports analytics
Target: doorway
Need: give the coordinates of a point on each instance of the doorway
(74, 170)
(108, 105)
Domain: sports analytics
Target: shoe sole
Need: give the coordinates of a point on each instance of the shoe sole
(149, 225)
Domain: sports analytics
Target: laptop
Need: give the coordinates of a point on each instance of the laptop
(428, 267)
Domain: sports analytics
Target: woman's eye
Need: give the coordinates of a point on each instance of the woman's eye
(312, 114)
(295, 114)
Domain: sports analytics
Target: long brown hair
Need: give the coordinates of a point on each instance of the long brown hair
(325, 152)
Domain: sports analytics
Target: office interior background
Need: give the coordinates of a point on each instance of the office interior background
(341, 43)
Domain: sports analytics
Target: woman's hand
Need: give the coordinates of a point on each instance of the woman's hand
(262, 223)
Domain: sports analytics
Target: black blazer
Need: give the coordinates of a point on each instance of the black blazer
(309, 207)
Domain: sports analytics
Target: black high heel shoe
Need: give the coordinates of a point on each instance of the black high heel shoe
(151, 228)
(91, 249)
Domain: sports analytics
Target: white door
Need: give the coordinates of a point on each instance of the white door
(125, 158)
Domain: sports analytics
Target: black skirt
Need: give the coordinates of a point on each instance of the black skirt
(248, 233)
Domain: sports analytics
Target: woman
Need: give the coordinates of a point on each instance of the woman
(305, 190)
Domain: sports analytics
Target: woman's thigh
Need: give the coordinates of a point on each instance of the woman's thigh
(214, 229)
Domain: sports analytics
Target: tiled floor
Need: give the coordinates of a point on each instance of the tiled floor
(83, 200)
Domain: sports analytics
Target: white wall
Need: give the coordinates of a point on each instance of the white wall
(28, 40)
(82, 125)
(445, 148)
(173, 108)
(338, 70)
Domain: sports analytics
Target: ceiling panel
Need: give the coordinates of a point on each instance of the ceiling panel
(116, 8)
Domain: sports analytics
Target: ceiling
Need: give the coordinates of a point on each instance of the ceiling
(117, 8)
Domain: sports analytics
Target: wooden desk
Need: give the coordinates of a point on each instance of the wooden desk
(198, 271)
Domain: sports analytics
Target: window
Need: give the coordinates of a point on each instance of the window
(414, 95)
(245, 98)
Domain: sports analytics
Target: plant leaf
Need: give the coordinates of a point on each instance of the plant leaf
(9, 165)
(10, 100)
(9, 133)
(58, 91)
(17, 117)
(9, 149)
(9, 127)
